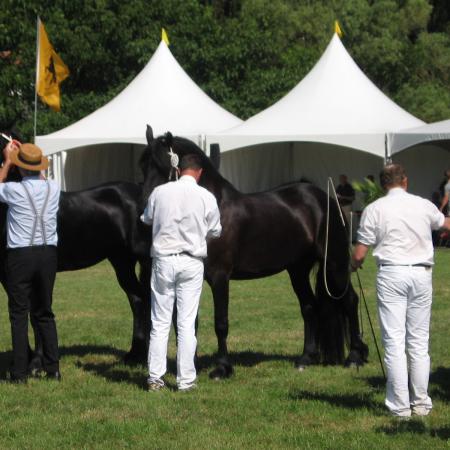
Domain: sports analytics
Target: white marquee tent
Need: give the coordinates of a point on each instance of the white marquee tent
(334, 121)
(105, 145)
(425, 153)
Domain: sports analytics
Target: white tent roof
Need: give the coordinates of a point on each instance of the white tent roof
(335, 103)
(161, 95)
(438, 131)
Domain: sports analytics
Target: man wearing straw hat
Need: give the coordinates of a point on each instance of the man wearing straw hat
(31, 257)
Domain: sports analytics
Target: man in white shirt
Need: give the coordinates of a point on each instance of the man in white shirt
(31, 258)
(399, 227)
(183, 215)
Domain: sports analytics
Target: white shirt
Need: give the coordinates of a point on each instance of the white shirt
(183, 215)
(21, 217)
(399, 227)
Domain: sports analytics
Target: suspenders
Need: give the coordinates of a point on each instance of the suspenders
(38, 217)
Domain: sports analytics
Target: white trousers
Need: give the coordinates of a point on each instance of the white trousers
(174, 278)
(404, 308)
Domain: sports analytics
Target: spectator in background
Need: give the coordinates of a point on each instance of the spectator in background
(445, 203)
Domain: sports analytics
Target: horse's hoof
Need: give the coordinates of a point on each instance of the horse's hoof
(301, 367)
(352, 365)
(221, 372)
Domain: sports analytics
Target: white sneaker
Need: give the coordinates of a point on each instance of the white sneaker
(191, 387)
(420, 411)
(155, 385)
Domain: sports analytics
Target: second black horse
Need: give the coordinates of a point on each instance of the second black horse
(266, 233)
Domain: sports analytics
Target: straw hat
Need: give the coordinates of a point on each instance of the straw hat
(29, 156)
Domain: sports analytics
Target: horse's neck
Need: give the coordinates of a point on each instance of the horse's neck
(222, 189)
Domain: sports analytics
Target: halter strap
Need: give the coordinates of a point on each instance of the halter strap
(37, 216)
(174, 161)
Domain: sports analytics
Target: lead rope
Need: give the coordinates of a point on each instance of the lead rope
(174, 161)
(338, 297)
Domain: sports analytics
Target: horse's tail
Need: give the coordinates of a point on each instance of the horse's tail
(333, 286)
(333, 326)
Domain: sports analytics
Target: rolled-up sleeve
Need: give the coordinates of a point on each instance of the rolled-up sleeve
(147, 215)
(3, 193)
(437, 219)
(367, 228)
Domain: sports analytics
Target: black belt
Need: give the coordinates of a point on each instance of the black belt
(182, 253)
(406, 265)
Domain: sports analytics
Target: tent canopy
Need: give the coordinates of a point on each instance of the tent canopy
(334, 104)
(426, 134)
(161, 95)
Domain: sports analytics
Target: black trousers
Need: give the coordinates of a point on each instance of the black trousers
(30, 277)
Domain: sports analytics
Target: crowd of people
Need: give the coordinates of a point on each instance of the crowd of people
(184, 216)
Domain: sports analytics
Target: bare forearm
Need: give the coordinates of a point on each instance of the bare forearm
(359, 254)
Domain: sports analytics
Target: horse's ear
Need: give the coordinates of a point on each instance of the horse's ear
(149, 134)
(169, 139)
(214, 155)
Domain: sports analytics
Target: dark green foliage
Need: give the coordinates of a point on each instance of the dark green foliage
(246, 54)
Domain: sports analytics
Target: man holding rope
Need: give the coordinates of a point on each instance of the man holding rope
(399, 227)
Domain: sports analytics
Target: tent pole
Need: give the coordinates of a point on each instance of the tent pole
(387, 149)
(62, 163)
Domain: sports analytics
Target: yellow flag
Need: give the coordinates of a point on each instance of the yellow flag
(337, 28)
(51, 71)
(164, 36)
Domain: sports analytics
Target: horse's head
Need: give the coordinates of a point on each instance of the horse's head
(161, 157)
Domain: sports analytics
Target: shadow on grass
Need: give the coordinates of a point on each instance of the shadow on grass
(440, 384)
(349, 401)
(415, 426)
(116, 372)
(377, 382)
(245, 358)
(83, 350)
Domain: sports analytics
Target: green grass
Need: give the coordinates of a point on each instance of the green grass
(101, 403)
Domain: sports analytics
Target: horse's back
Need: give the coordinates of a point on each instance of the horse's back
(98, 223)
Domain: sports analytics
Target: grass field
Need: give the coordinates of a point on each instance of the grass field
(267, 404)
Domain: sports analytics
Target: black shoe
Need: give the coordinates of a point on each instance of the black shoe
(55, 376)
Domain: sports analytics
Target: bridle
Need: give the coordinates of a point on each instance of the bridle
(174, 161)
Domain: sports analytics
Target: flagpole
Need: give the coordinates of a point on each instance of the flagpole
(37, 78)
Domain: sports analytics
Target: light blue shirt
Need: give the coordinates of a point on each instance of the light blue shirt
(21, 218)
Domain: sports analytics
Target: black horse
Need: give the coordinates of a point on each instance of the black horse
(266, 233)
(104, 223)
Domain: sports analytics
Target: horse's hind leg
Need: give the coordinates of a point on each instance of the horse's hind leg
(300, 282)
(139, 303)
(358, 349)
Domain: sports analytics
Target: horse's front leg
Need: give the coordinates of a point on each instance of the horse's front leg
(299, 276)
(359, 351)
(139, 303)
(219, 283)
